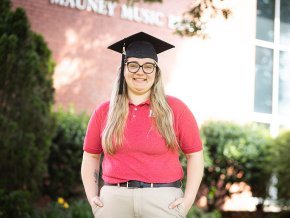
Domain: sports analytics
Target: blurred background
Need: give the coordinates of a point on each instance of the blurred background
(230, 65)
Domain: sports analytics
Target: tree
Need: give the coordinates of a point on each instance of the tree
(234, 154)
(26, 97)
(64, 161)
(281, 165)
(194, 21)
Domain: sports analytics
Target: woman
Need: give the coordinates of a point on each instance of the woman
(140, 131)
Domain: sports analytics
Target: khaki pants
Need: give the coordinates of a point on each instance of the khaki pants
(122, 202)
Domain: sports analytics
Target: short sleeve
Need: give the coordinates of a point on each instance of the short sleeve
(188, 132)
(93, 139)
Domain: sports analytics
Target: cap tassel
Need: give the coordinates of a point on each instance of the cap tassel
(122, 71)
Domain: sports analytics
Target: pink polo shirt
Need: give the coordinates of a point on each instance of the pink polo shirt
(144, 155)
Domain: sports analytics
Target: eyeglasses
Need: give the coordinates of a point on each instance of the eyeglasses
(147, 68)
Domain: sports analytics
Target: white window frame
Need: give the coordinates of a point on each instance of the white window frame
(274, 119)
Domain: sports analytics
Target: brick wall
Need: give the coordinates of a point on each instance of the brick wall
(85, 69)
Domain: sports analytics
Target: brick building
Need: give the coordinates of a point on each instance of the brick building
(240, 73)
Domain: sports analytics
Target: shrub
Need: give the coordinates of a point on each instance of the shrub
(234, 154)
(64, 161)
(197, 212)
(281, 165)
(15, 204)
(75, 209)
(26, 97)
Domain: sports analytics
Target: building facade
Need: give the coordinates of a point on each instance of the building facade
(240, 73)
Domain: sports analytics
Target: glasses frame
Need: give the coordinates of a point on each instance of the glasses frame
(141, 66)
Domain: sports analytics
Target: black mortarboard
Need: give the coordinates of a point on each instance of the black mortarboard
(139, 45)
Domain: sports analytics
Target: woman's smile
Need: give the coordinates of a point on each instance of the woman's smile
(139, 82)
(139, 79)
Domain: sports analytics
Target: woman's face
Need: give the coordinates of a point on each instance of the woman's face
(138, 82)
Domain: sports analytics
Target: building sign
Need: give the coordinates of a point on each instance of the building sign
(132, 13)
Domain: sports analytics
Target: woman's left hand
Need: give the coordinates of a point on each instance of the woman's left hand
(186, 203)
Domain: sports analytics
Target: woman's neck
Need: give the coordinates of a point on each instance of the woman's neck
(138, 99)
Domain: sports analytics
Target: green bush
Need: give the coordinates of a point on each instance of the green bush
(281, 164)
(15, 204)
(76, 209)
(195, 212)
(234, 153)
(26, 97)
(64, 161)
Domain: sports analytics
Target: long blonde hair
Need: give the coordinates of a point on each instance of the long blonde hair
(112, 136)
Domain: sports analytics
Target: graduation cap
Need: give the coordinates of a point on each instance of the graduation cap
(139, 45)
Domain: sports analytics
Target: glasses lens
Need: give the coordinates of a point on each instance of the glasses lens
(133, 67)
(148, 67)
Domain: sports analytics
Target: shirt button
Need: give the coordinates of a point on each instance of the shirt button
(134, 116)
(135, 109)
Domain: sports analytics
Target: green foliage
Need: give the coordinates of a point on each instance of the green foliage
(81, 209)
(63, 178)
(77, 209)
(281, 165)
(26, 97)
(194, 21)
(234, 154)
(15, 204)
(197, 212)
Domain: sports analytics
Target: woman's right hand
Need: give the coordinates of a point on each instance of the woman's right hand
(96, 201)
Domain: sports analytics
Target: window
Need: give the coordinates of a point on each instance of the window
(272, 75)
(284, 83)
(285, 22)
(263, 80)
(265, 20)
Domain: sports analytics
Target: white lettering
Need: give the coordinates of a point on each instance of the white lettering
(92, 6)
(70, 3)
(127, 12)
(152, 17)
(81, 4)
(146, 16)
(102, 7)
(142, 15)
(159, 16)
(60, 2)
(136, 16)
(111, 8)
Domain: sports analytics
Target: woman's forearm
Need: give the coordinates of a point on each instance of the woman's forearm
(90, 174)
(195, 168)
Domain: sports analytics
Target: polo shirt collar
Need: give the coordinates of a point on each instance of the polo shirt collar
(143, 103)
